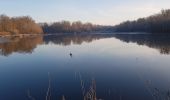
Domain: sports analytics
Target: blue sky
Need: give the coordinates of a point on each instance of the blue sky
(107, 12)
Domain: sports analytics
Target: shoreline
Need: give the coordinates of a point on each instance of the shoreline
(20, 35)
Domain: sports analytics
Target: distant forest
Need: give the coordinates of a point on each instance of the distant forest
(158, 23)
(26, 25)
(18, 25)
(74, 27)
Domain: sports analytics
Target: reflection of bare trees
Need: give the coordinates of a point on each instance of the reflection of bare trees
(27, 44)
(159, 42)
(20, 44)
(73, 39)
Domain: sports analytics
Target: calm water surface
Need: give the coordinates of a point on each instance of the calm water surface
(121, 67)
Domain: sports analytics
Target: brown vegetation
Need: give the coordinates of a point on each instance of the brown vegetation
(18, 25)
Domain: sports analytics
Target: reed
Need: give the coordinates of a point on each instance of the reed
(90, 94)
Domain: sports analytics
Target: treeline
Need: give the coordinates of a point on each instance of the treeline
(158, 23)
(18, 25)
(74, 27)
(26, 25)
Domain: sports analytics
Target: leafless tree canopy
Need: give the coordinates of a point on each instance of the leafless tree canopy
(18, 25)
(158, 23)
(74, 27)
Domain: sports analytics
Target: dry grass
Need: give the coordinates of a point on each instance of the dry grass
(90, 94)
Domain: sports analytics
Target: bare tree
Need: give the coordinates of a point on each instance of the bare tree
(19, 25)
(158, 23)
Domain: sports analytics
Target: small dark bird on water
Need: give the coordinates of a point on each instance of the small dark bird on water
(71, 54)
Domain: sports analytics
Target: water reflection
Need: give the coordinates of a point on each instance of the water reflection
(159, 42)
(82, 68)
(27, 44)
(9, 45)
(67, 40)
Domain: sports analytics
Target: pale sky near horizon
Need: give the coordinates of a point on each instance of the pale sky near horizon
(106, 12)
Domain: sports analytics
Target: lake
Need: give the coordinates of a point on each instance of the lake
(73, 67)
